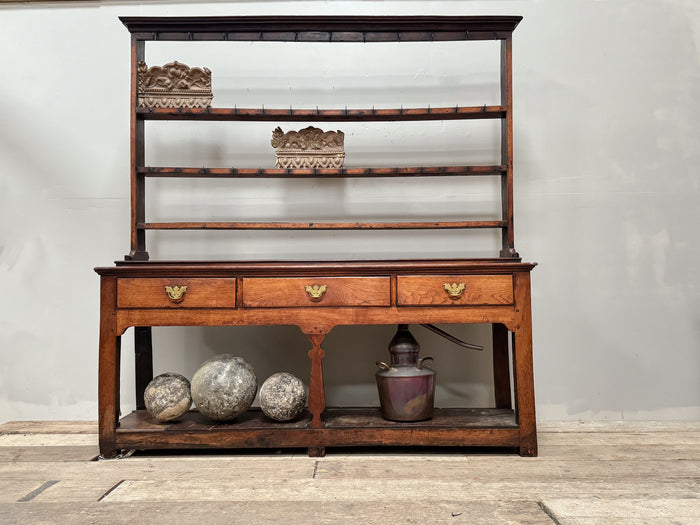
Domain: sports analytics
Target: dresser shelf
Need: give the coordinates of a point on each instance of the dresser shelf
(344, 427)
(319, 225)
(324, 115)
(252, 173)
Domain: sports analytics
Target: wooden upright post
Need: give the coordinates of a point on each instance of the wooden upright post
(508, 234)
(501, 366)
(138, 181)
(143, 362)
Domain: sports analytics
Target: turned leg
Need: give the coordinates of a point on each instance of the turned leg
(523, 368)
(501, 366)
(317, 394)
(143, 362)
(108, 374)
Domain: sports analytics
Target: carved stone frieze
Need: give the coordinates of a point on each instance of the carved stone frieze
(174, 85)
(309, 148)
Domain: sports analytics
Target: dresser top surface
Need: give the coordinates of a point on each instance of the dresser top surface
(282, 268)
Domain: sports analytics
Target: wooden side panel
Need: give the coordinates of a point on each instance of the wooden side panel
(338, 291)
(477, 290)
(201, 293)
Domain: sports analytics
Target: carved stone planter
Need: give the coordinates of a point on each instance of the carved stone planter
(174, 85)
(309, 148)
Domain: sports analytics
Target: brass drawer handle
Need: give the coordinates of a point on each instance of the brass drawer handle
(315, 291)
(177, 293)
(454, 290)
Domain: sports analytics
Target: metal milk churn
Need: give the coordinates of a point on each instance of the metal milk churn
(406, 388)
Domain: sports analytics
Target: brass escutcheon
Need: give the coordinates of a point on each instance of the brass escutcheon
(316, 291)
(177, 293)
(454, 290)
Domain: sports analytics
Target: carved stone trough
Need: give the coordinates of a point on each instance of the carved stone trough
(309, 148)
(174, 85)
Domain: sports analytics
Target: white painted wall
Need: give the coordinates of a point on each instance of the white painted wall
(607, 146)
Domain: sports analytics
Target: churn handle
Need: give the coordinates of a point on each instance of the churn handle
(452, 338)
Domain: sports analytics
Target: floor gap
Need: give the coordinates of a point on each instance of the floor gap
(111, 490)
(548, 512)
(34, 493)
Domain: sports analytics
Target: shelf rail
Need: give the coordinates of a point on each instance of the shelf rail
(324, 115)
(197, 225)
(417, 171)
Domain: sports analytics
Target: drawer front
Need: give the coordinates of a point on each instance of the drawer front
(455, 290)
(176, 293)
(316, 291)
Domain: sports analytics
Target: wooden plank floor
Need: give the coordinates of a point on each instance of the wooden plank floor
(587, 473)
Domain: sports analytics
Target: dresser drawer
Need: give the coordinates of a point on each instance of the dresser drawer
(174, 293)
(455, 290)
(316, 291)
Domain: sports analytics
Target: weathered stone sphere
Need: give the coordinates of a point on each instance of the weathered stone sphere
(282, 396)
(167, 396)
(224, 387)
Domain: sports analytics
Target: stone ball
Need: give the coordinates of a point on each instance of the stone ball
(282, 396)
(167, 396)
(224, 387)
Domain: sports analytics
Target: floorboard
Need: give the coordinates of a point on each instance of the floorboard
(586, 473)
(353, 512)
